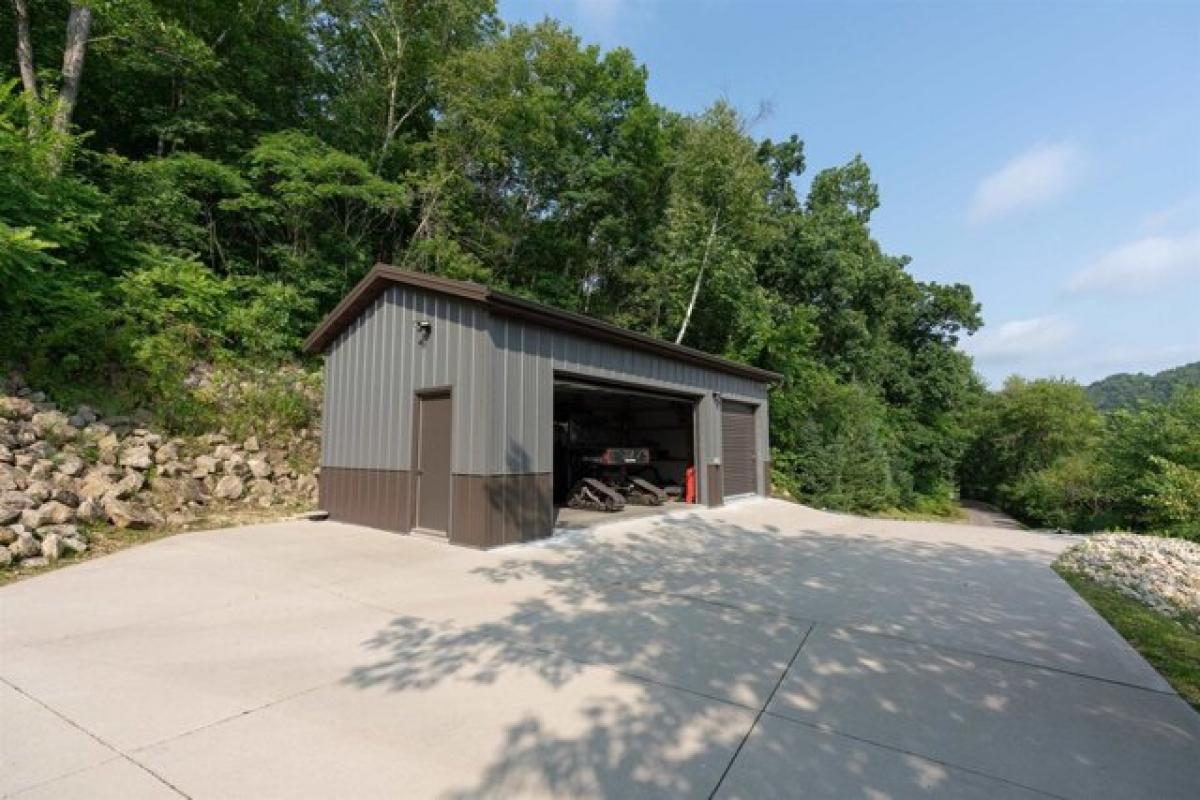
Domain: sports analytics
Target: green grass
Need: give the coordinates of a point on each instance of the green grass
(921, 515)
(1171, 648)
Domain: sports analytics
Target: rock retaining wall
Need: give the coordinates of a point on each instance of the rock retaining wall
(62, 471)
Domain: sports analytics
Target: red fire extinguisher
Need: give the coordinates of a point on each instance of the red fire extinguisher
(689, 484)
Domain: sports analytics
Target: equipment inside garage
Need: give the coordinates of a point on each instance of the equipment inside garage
(616, 447)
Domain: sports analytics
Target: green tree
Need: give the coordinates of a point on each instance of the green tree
(378, 60)
(547, 157)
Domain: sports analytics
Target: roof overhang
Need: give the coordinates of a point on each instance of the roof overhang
(382, 276)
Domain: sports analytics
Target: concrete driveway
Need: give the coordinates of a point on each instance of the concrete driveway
(762, 650)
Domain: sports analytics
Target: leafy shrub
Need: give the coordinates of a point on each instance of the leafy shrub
(1170, 496)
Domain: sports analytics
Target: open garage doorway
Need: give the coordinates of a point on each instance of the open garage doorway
(620, 452)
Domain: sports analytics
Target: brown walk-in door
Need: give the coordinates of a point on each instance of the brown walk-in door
(433, 462)
(738, 457)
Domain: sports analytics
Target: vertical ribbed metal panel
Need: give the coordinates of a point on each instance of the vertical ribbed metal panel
(374, 368)
(501, 373)
(522, 382)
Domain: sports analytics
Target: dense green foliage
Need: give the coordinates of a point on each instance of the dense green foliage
(234, 168)
(1124, 390)
(1043, 452)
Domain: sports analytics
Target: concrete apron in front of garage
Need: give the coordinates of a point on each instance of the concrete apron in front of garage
(569, 520)
(758, 650)
(575, 520)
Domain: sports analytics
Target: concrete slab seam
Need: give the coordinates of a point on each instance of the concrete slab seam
(97, 739)
(858, 627)
(35, 786)
(832, 731)
(238, 715)
(762, 710)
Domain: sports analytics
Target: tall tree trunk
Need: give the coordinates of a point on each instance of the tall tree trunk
(79, 23)
(25, 48)
(687, 317)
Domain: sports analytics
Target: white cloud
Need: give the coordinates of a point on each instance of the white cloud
(1020, 338)
(1032, 178)
(1140, 266)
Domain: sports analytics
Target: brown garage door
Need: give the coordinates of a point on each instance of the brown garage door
(738, 457)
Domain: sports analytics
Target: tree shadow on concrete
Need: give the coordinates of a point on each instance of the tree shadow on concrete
(700, 617)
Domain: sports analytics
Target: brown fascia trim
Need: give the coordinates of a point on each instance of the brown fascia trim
(381, 276)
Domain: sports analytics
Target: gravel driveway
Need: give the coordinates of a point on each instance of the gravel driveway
(761, 650)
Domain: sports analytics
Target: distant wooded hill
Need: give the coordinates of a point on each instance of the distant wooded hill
(1125, 390)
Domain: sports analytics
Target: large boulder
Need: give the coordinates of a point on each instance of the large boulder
(61, 531)
(42, 469)
(66, 496)
(96, 483)
(71, 465)
(307, 485)
(179, 492)
(167, 453)
(54, 513)
(189, 490)
(126, 515)
(25, 546)
(148, 437)
(76, 545)
(85, 415)
(7, 483)
(8, 535)
(173, 469)
(89, 511)
(259, 467)
(107, 448)
(16, 408)
(137, 457)
(51, 547)
(229, 487)
(128, 486)
(205, 466)
(39, 491)
(12, 503)
(53, 425)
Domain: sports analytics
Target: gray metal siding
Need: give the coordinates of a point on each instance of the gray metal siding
(375, 366)
(501, 371)
(522, 380)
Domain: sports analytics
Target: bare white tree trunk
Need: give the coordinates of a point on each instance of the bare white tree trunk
(687, 317)
(25, 48)
(79, 24)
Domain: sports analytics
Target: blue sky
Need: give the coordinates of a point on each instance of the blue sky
(1047, 154)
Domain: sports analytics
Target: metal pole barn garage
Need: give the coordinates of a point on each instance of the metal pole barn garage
(466, 413)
